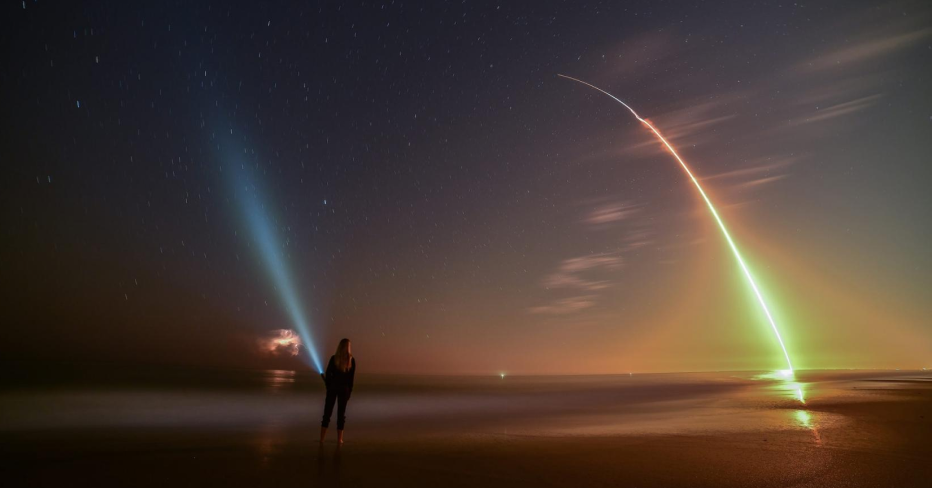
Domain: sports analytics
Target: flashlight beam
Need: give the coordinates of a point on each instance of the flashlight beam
(270, 250)
(708, 202)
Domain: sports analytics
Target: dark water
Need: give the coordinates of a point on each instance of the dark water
(118, 426)
(87, 399)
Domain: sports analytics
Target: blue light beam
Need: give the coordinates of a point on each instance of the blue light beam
(270, 250)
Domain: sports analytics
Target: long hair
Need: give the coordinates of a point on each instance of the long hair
(343, 358)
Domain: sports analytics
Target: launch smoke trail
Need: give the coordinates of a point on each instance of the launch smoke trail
(721, 224)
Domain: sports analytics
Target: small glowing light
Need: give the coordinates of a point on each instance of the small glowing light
(503, 375)
(786, 373)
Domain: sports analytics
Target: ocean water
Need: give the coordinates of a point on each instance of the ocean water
(80, 401)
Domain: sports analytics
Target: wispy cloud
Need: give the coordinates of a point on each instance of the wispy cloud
(586, 277)
(611, 212)
(841, 109)
(863, 50)
(692, 125)
(565, 306)
(641, 55)
(758, 182)
(756, 173)
(572, 272)
(755, 168)
(636, 239)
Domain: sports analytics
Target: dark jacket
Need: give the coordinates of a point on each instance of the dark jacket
(336, 379)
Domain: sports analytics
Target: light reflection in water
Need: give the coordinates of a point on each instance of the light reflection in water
(276, 379)
(794, 390)
(807, 420)
(804, 418)
(786, 385)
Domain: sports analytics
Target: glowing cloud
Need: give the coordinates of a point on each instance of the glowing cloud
(281, 342)
(721, 224)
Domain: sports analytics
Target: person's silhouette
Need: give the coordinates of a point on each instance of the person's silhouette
(341, 371)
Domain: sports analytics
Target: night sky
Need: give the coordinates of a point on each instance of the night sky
(443, 199)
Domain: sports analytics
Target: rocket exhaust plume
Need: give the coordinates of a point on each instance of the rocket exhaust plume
(721, 224)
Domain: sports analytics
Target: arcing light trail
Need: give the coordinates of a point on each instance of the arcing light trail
(721, 224)
(271, 253)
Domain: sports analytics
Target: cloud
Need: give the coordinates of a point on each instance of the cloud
(840, 109)
(758, 182)
(756, 173)
(637, 238)
(566, 305)
(587, 276)
(570, 273)
(575, 274)
(640, 56)
(840, 88)
(689, 122)
(612, 212)
(755, 168)
(280, 342)
(862, 51)
(591, 261)
(690, 126)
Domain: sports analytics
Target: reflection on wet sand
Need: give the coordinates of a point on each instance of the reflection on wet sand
(788, 386)
(808, 420)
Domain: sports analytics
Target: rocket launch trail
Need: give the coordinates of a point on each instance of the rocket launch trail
(721, 224)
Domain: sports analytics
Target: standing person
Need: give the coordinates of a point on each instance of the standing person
(339, 380)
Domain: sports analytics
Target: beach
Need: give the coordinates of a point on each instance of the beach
(817, 428)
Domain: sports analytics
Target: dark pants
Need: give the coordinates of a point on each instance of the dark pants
(341, 396)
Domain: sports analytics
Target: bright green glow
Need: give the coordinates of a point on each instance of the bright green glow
(804, 418)
(721, 225)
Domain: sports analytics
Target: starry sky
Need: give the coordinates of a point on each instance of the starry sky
(443, 199)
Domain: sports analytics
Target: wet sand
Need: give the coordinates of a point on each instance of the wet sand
(820, 429)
